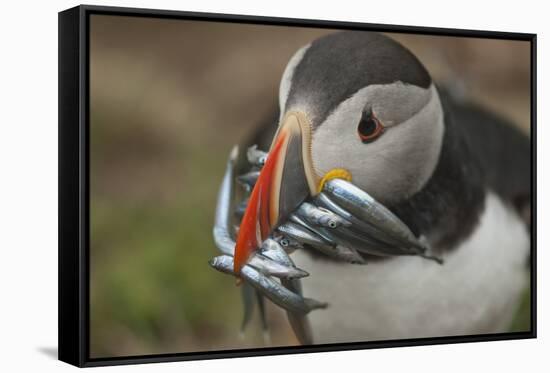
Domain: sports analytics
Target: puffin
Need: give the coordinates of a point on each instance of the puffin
(359, 105)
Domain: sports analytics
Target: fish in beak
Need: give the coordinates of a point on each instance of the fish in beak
(286, 180)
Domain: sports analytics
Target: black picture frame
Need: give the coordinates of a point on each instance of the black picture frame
(74, 206)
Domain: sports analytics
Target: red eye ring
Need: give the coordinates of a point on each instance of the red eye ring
(369, 127)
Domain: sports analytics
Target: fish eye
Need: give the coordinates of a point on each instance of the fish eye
(369, 127)
(332, 224)
(284, 242)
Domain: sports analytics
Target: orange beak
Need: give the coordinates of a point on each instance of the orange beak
(286, 180)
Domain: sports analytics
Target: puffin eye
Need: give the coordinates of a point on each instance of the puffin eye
(369, 127)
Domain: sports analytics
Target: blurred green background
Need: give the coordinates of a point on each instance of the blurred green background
(169, 98)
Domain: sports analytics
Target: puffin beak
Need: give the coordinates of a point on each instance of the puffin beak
(286, 180)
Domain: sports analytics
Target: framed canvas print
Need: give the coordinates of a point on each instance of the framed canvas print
(234, 186)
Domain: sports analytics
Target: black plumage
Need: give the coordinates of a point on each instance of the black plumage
(481, 152)
(324, 71)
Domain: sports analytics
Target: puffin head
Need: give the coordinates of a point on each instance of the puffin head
(356, 105)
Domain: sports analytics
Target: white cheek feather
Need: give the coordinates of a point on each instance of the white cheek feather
(400, 162)
(475, 291)
(286, 80)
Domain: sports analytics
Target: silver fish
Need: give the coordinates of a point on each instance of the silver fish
(248, 180)
(312, 240)
(277, 293)
(325, 201)
(302, 235)
(287, 243)
(341, 253)
(321, 216)
(255, 156)
(359, 203)
(360, 242)
(367, 238)
(298, 321)
(349, 255)
(274, 251)
(273, 268)
(240, 209)
(263, 316)
(247, 295)
(318, 230)
(222, 236)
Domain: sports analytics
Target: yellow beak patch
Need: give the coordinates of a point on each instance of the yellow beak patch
(335, 173)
